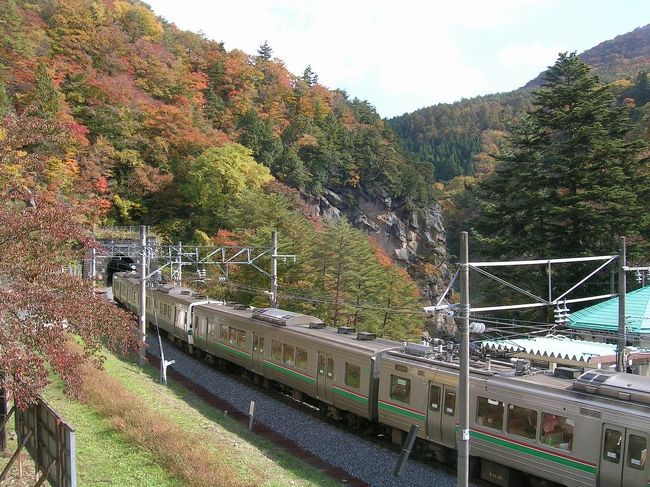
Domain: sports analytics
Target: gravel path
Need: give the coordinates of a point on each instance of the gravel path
(368, 462)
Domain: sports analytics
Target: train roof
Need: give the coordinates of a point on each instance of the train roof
(288, 321)
(594, 386)
(306, 325)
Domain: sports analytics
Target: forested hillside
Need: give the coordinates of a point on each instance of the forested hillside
(127, 119)
(448, 135)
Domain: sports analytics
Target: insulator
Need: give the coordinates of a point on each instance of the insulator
(476, 327)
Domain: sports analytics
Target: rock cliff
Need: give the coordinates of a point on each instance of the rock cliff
(410, 238)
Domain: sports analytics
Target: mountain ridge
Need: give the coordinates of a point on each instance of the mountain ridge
(452, 148)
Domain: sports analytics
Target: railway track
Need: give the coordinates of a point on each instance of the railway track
(298, 428)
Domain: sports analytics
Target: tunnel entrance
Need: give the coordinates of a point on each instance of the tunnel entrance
(118, 264)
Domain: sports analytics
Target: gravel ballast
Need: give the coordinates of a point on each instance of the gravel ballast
(370, 463)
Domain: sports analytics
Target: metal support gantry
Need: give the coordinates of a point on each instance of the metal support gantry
(466, 310)
(151, 255)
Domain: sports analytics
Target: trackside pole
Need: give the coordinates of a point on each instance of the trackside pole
(406, 449)
(143, 294)
(274, 269)
(622, 284)
(463, 396)
(251, 415)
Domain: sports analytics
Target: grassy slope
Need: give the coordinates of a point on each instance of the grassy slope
(257, 460)
(107, 457)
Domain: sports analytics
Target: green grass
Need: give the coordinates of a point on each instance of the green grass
(257, 460)
(104, 456)
(107, 457)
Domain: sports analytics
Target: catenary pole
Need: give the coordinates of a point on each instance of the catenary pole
(622, 284)
(143, 293)
(463, 397)
(274, 269)
(93, 265)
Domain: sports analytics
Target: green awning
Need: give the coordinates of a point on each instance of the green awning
(604, 316)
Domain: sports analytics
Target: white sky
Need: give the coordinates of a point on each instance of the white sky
(401, 56)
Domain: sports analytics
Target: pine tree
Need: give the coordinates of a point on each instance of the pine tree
(265, 52)
(257, 134)
(5, 101)
(572, 181)
(344, 255)
(45, 97)
(14, 38)
(309, 77)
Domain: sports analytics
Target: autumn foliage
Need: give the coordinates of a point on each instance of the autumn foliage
(109, 115)
(46, 203)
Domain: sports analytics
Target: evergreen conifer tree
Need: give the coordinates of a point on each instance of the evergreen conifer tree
(309, 77)
(573, 179)
(5, 102)
(46, 98)
(265, 52)
(345, 255)
(14, 38)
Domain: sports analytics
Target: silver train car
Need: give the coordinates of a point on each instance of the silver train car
(574, 430)
(538, 428)
(336, 367)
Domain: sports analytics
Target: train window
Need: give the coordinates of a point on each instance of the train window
(260, 347)
(276, 350)
(489, 413)
(256, 341)
(289, 355)
(241, 338)
(400, 388)
(321, 364)
(232, 336)
(637, 452)
(301, 358)
(223, 335)
(352, 375)
(612, 446)
(450, 403)
(522, 422)
(330, 368)
(434, 398)
(557, 431)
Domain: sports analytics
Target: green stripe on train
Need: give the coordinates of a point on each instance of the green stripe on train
(290, 372)
(234, 350)
(532, 451)
(405, 412)
(349, 395)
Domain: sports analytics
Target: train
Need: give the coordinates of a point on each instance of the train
(542, 428)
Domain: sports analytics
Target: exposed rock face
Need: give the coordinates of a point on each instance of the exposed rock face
(403, 235)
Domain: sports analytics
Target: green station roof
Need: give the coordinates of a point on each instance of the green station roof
(604, 316)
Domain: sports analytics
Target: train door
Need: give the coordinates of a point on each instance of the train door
(623, 457)
(325, 376)
(258, 353)
(448, 417)
(180, 323)
(434, 412)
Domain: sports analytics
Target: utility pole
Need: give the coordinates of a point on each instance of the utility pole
(274, 269)
(622, 284)
(463, 396)
(143, 293)
(93, 265)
